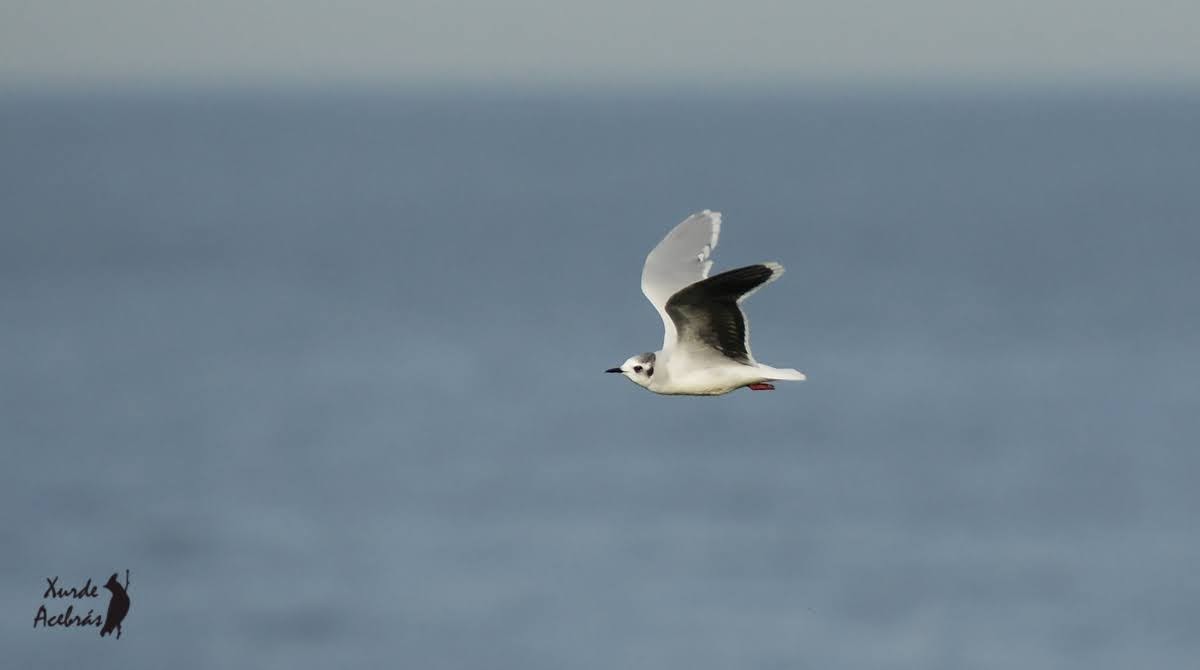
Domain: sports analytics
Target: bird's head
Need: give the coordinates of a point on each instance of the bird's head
(638, 369)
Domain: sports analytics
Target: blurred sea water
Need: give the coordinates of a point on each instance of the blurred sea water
(323, 371)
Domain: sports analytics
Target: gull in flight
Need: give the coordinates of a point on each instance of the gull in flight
(706, 346)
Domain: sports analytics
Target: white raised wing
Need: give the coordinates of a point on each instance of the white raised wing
(684, 257)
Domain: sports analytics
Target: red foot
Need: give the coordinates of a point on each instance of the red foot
(760, 387)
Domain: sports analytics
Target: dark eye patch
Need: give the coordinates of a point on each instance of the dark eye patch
(649, 372)
(637, 368)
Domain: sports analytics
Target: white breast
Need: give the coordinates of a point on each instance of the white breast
(687, 378)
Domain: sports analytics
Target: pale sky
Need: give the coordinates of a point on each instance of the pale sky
(88, 41)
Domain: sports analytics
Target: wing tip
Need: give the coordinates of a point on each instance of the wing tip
(704, 257)
(775, 270)
(714, 219)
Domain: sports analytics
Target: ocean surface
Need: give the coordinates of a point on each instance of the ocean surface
(323, 371)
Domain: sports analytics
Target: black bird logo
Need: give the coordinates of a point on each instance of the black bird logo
(118, 605)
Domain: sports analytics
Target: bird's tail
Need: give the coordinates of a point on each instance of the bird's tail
(781, 374)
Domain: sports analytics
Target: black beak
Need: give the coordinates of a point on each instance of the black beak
(613, 370)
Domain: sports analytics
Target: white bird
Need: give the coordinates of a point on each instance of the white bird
(706, 346)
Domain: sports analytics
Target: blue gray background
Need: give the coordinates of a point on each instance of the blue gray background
(323, 370)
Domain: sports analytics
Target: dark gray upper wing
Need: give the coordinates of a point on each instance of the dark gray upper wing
(708, 314)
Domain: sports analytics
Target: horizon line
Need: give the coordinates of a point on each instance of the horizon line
(719, 86)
